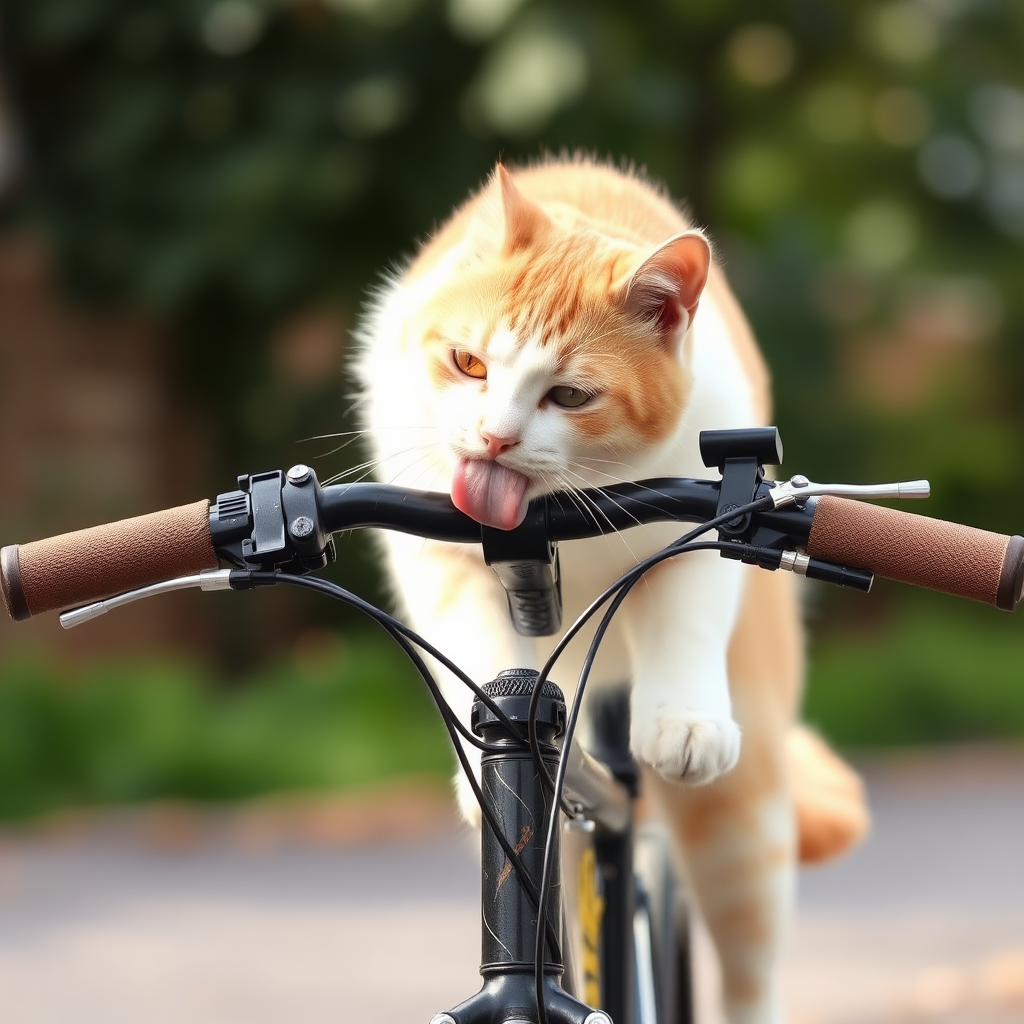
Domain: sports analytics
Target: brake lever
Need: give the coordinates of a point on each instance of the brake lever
(207, 579)
(798, 488)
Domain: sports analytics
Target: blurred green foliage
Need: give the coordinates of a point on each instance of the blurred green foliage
(346, 714)
(119, 732)
(231, 164)
(861, 163)
(930, 671)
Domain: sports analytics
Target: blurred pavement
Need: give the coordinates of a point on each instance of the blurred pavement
(161, 916)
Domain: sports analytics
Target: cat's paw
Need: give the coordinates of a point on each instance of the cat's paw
(687, 746)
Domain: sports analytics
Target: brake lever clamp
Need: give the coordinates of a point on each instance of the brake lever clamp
(798, 489)
(740, 455)
(271, 522)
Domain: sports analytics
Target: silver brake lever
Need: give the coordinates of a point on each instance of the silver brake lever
(208, 579)
(798, 487)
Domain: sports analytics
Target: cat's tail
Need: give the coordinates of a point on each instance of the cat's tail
(831, 806)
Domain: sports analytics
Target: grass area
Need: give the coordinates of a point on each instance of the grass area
(344, 712)
(933, 671)
(348, 713)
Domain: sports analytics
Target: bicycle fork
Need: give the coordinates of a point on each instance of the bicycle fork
(511, 783)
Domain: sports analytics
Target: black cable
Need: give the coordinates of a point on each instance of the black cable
(405, 637)
(619, 589)
(539, 895)
(547, 863)
(638, 570)
(392, 626)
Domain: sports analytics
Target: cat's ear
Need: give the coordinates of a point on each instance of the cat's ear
(665, 289)
(506, 221)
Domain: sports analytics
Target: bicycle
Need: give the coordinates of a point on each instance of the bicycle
(612, 945)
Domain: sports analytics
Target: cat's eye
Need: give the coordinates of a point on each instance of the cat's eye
(469, 364)
(569, 398)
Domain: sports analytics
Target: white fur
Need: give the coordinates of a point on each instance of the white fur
(674, 630)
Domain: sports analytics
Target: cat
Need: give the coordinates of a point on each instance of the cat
(568, 328)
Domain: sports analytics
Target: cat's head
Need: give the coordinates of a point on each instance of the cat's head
(553, 350)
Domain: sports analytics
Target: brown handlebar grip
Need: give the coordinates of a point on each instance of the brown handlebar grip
(76, 568)
(915, 549)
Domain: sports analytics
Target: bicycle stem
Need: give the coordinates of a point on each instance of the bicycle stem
(509, 922)
(511, 783)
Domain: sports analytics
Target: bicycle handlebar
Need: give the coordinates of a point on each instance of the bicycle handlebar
(87, 565)
(431, 514)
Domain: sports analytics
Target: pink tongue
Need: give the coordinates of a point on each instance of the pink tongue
(489, 493)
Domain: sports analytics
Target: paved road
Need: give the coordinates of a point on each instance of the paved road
(113, 924)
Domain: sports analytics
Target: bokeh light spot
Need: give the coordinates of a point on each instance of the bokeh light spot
(904, 32)
(476, 20)
(231, 28)
(531, 75)
(374, 106)
(759, 178)
(1004, 196)
(951, 166)
(880, 235)
(997, 114)
(901, 117)
(835, 112)
(761, 54)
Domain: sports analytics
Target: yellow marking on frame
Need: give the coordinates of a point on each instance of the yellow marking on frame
(591, 913)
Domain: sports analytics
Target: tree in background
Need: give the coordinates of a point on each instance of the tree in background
(237, 164)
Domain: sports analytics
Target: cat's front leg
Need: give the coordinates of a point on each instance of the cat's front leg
(678, 623)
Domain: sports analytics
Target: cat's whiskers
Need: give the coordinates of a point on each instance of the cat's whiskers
(606, 495)
(424, 460)
(354, 436)
(423, 469)
(361, 431)
(615, 479)
(586, 501)
(619, 533)
(563, 486)
(582, 463)
(597, 487)
(363, 468)
(368, 467)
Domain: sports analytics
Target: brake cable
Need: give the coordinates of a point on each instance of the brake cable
(406, 638)
(617, 591)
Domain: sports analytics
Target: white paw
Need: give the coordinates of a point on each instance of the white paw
(686, 746)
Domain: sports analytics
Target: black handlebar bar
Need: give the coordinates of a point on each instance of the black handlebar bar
(590, 513)
(286, 521)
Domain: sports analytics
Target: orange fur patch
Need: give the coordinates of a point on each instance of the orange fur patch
(831, 807)
(562, 286)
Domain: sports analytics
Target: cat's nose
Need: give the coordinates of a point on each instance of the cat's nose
(496, 444)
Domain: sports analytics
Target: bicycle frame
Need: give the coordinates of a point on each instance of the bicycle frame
(594, 964)
(615, 888)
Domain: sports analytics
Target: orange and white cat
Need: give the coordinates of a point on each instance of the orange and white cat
(568, 328)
